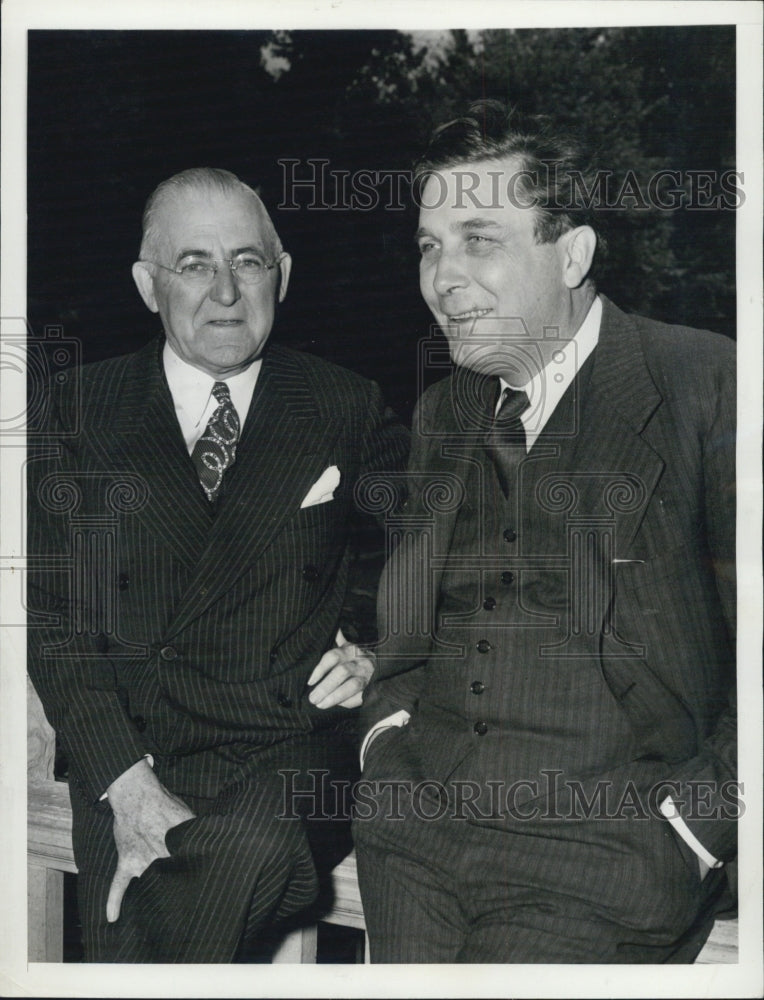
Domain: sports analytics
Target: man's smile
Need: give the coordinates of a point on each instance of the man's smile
(465, 317)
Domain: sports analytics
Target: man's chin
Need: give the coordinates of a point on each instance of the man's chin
(517, 365)
(476, 360)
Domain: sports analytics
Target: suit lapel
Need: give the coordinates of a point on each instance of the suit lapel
(283, 449)
(461, 419)
(617, 408)
(141, 435)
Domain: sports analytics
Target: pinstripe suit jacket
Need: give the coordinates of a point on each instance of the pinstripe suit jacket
(156, 628)
(659, 415)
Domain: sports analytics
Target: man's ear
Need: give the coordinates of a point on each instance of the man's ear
(144, 280)
(578, 253)
(285, 269)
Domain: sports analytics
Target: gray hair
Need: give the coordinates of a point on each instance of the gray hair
(198, 179)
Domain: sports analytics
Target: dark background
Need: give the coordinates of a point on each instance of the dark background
(112, 113)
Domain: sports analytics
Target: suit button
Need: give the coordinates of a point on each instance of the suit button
(510, 535)
(489, 603)
(310, 573)
(483, 646)
(123, 581)
(139, 722)
(168, 653)
(273, 655)
(480, 728)
(507, 578)
(284, 701)
(477, 687)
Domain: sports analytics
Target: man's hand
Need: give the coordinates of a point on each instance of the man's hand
(346, 670)
(143, 813)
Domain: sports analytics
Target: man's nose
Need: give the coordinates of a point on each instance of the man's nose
(450, 274)
(225, 288)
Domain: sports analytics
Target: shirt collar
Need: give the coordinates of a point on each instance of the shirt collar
(191, 388)
(548, 386)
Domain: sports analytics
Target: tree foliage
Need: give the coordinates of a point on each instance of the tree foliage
(113, 113)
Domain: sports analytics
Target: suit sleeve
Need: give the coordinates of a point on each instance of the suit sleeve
(707, 796)
(66, 661)
(398, 681)
(384, 451)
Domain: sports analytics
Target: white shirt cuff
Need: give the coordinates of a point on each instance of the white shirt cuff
(398, 719)
(670, 811)
(146, 756)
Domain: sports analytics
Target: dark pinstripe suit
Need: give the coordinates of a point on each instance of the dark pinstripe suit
(613, 662)
(189, 634)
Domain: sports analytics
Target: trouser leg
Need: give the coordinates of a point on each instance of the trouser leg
(411, 913)
(233, 868)
(551, 890)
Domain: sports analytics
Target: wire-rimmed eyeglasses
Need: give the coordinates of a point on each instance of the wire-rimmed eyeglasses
(248, 268)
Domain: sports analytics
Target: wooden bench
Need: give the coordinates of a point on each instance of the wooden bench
(49, 855)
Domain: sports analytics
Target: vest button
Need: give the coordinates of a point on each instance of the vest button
(480, 728)
(168, 653)
(273, 655)
(483, 646)
(489, 603)
(284, 701)
(477, 687)
(507, 578)
(310, 573)
(139, 722)
(510, 535)
(123, 581)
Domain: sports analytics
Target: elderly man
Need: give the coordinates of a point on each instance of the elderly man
(550, 748)
(195, 599)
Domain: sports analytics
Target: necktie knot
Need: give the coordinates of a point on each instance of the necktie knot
(221, 393)
(512, 404)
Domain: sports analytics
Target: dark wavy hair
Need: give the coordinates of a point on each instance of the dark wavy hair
(556, 176)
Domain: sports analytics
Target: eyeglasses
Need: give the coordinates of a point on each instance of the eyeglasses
(248, 268)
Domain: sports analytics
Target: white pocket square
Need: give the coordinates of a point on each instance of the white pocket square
(323, 489)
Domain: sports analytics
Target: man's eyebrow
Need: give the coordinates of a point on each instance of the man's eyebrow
(192, 252)
(477, 223)
(467, 224)
(208, 255)
(249, 249)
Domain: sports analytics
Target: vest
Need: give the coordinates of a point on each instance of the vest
(525, 694)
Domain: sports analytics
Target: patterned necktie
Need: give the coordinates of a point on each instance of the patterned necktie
(505, 441)
(215, 451)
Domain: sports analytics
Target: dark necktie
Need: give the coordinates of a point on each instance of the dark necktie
(215, 451)
(505, 441)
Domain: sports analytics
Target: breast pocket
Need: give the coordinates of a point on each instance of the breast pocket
(316, 515)
(646, 579)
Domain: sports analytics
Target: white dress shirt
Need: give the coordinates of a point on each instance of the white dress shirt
(548, 386)
(191, 391)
